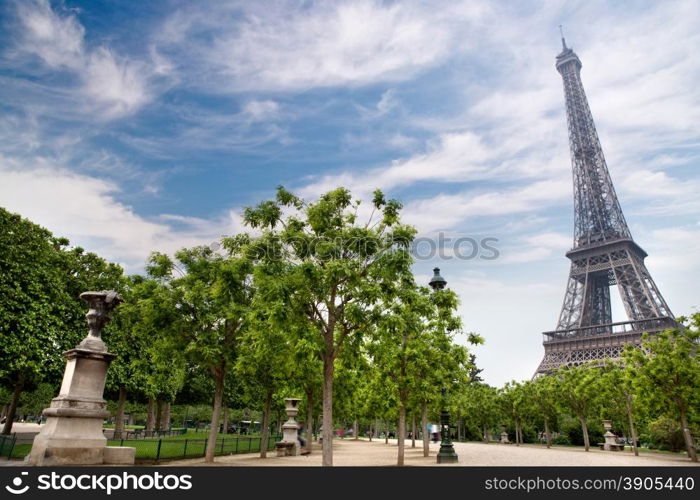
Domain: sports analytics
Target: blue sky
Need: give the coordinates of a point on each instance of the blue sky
(139, 126)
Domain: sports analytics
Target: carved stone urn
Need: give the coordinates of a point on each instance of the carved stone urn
(290, 428)
(610, 438)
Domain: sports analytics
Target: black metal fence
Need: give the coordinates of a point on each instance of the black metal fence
(132, 434)
(7, 445)
(155, 450)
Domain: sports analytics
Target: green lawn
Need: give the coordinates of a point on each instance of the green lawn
(111, 426)
(188, 445)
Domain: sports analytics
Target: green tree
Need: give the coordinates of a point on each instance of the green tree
(514, 403)
(212, 298)
(325, 266)
(40, 311)
(666, 372)
(542, 395)
(263, 365)
(125, 373)
(579, 388)
(32, 291)
(617, 384)
(307, 373)
(400, 332)
(479, 402)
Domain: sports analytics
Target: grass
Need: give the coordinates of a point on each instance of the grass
(111, 426)
(189, 445)
(21, 450)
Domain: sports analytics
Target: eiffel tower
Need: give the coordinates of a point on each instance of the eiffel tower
(603, 254)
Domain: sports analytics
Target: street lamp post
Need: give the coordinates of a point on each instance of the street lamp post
(447, 454)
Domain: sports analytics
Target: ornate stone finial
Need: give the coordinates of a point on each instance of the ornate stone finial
(101, 305)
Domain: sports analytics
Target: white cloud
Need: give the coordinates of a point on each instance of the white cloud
(115, 85)
(318, 45)
(258, 111)
(387, 102)
(119, 84)
(447, 211)
(57, 40)
(453, 157)
(85, 210)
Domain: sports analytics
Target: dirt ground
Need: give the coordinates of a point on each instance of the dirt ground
(377, 453)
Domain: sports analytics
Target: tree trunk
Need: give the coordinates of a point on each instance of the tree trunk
(12, 410)
(413, 429)
(119, 417)
(401, 433)
(150, 417)
(371, 430)
(485, 435)
(165, 417)
(520, 431)
(225, 419)
(459, 429)
(309, 419)
(265, 430)
(219, 374)
(517, 432)
(355, 429)
(386, 432)
(424, 430)
(584, 429)
(548, 436)
(328, 367)
(159, 414)
(633, 431)
(689, 442)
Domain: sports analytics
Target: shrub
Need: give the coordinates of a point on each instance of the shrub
(665, 434)
(575, 433)
(562, 439)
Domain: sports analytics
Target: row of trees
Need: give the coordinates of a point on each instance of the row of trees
(318, 302)
(651, 388)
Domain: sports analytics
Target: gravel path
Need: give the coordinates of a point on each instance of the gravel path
(376, 453)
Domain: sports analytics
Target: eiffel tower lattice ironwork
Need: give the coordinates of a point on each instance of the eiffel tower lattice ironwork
(603, 253)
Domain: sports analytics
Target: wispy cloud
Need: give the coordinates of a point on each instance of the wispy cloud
(86, 209)
(318, 45)
(114, 85)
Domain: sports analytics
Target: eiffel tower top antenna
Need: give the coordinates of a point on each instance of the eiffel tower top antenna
(563, 42)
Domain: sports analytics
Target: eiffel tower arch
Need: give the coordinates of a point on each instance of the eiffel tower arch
(603, 254)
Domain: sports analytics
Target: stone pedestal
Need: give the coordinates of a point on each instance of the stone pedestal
(290, 441)
(504, 437)
(72, 434)
(610, 438)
